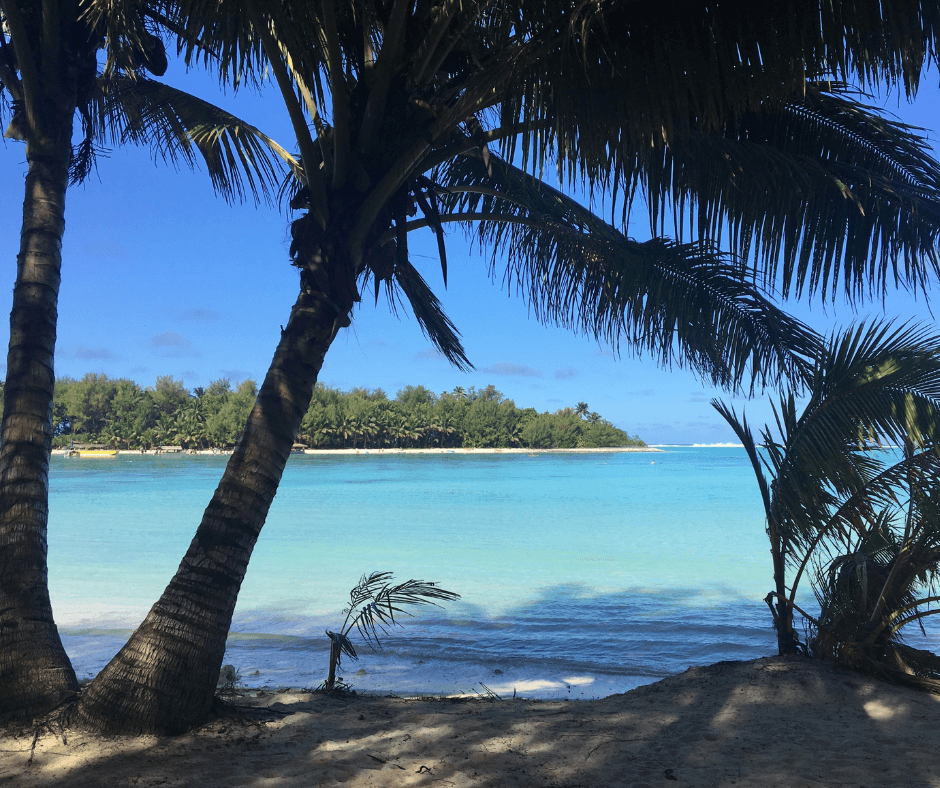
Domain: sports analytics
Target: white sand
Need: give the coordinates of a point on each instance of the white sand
(770, 722)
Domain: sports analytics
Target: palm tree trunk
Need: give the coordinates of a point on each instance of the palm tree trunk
(163, 681)
(334, 658)
(783, 618)
(35, 672)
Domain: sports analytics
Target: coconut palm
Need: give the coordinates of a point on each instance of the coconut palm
(47, 67)
(452, 109)
(827, 493)
(49, 71)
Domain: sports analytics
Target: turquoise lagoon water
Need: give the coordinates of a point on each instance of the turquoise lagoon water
(580, 574)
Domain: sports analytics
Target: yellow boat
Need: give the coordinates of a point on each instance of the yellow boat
(97, 453)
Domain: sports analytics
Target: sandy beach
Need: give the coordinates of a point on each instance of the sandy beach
(768, 722)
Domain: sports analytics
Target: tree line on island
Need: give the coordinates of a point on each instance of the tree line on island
(739, 127)
(120, 413)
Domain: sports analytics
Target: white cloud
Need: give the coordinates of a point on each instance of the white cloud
(513, 370)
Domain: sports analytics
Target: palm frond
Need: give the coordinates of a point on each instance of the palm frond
(133, 42)
(240, 159)
(743, 431)
(428, 311)
(374, 603)
(876, 500)
(685, 304)
(871, 385)
(821, 194)
(884, 379)
(718, 121)
(653, 75)
(342, 645)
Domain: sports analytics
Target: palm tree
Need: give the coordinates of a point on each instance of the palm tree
(884, 578)
(820, 481)
(581, 410)
(395, 108)
(373, 605)
(49, 68)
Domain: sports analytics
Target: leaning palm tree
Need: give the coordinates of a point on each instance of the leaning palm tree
(49, 76)
(830, 494)
(412, 115)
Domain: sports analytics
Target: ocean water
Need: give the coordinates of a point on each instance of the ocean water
(580, 574)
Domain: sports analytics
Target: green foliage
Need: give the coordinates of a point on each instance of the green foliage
(225, 425)
(417, 418)
(863, 522)
(98, 409)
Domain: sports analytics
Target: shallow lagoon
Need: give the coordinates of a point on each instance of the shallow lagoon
(580, 574)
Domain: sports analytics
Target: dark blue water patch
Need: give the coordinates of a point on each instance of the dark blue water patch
(92, 649)
(587, 634)
(576, 633)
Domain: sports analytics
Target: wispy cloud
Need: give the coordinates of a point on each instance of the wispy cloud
(198, 315)
(105, 248)
(234, 375)
(91, 354)
(513, 370)
(170, 339)
(173, 345)
(432, 354)
(566, 374)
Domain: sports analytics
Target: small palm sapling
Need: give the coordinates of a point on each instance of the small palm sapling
(373, 604)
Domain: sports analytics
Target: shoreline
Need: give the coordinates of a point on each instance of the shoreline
(389, 452)
(770, 721)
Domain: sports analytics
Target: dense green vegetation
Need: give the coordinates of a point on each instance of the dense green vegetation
(859, 522)
(119, 412)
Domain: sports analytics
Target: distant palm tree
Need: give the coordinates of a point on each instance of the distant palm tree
(581, 409)
(830, 495)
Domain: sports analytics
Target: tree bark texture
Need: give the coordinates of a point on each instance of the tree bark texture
(164, 679)
(35, 672)
(783, 620)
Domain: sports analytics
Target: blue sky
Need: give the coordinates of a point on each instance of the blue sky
(161, 277)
